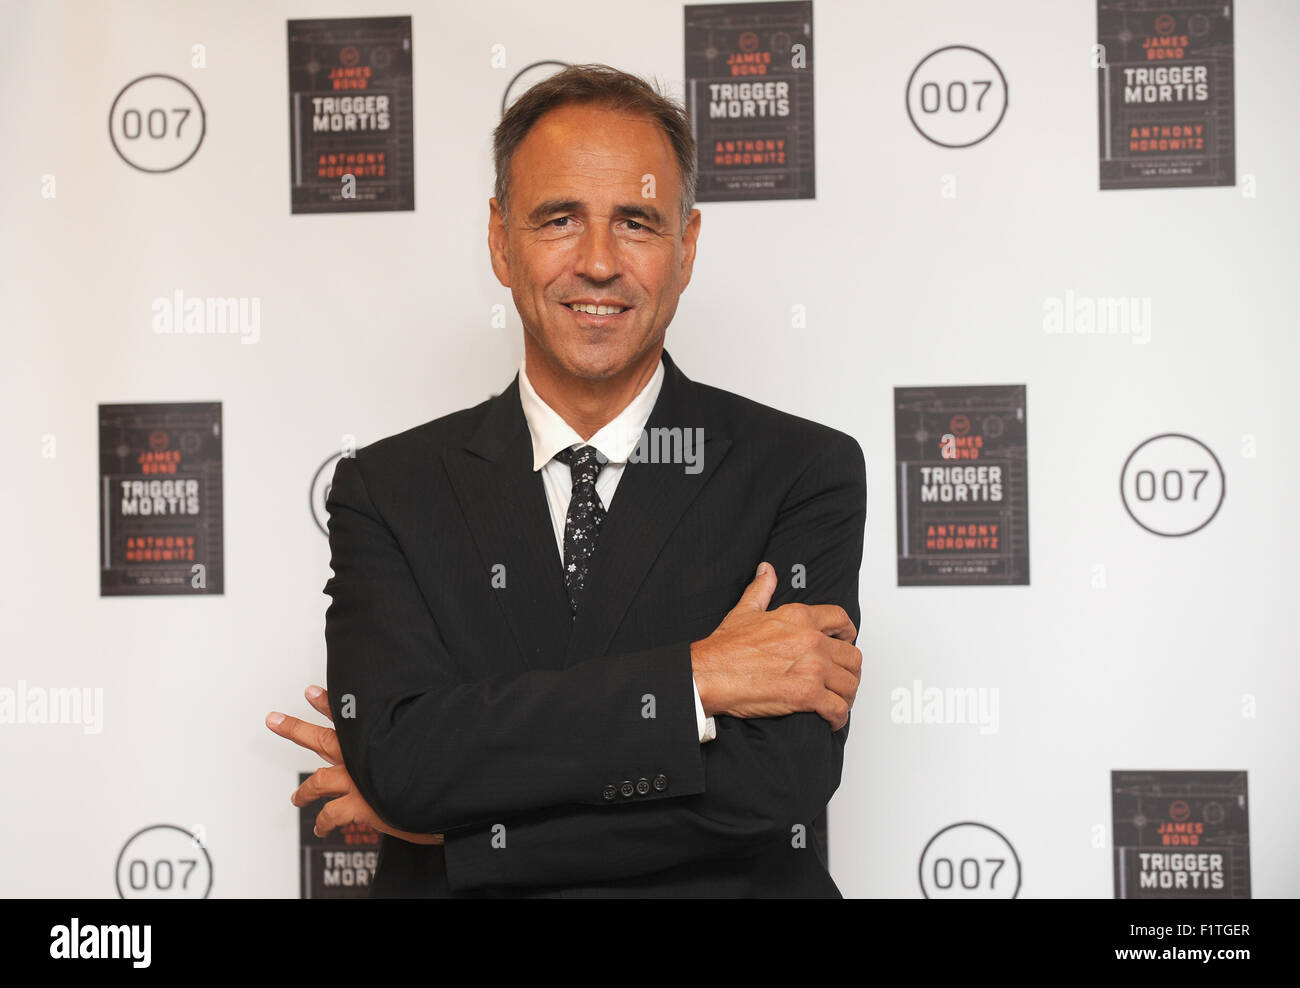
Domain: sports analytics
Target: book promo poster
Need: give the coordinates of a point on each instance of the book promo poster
(1165, 93)
(1181, 835)
(962, 487)
(749, 92)
(351, 132)
(160, 499)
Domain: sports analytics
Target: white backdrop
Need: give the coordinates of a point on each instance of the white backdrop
(373, 323)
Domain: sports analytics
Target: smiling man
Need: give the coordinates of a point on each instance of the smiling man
(596, 280)
(555, 667)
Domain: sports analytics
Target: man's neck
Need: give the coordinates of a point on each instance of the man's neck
(588, 406)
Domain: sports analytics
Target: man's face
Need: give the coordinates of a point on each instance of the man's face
(581, 229)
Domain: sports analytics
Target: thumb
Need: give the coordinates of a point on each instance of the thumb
(759, 592)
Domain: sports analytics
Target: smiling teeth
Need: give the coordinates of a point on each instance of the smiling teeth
(596, 310)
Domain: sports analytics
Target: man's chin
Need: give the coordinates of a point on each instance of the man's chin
(597, 361)
(594, 357)
(593, 371)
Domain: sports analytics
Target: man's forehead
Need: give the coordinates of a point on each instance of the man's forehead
(593, 115)
(571, 151)
(591, 138)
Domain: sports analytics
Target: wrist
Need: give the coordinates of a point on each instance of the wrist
(706, 684)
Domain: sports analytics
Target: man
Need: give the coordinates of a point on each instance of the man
(540, 688)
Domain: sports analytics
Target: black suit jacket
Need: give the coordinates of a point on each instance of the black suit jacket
(561, 757)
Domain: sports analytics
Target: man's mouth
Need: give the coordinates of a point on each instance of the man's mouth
(594, 309)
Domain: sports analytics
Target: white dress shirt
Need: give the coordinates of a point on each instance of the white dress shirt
(615, 441)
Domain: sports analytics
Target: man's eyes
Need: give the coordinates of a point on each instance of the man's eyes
(560, 222)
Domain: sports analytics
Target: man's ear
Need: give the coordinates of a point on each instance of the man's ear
(690, 236)
(497, 242)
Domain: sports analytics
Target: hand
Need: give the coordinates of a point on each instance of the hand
(333, 780)
(761, 663)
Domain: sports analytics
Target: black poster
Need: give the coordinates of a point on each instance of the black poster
(160, 499)
(1165, 93)
(350, 114)
(340, 866)
(1180, 835)
(962, 486)
(749, 91)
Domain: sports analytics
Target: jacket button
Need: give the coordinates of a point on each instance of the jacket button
(610, 792)
(661, 782)
(642, 786)
(627, 790)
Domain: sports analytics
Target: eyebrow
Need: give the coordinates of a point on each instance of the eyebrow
(634, 210)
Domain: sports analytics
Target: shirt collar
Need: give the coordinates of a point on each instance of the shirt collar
(615, 440)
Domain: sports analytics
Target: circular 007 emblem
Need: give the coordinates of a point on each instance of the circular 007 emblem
(969, 861)
(526, 78)
(164, 862)
(320, 492)
(1172, 485)
(956, 96)
(156, 123)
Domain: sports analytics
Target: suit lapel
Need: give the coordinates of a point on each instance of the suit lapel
(649, 501)
(504, 504)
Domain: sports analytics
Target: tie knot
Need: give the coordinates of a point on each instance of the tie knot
(584, 462)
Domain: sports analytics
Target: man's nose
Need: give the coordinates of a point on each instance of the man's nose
(597, 253)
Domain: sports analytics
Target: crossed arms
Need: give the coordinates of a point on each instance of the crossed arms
(434, 752)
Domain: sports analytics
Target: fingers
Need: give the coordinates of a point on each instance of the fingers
(843, 654)
(832, 709)
(842, 683)
(759, 592)
(352, 808)
(320, 701)
(333, 780)
(338, 813)
(314, 737)
(411, 838)
(832, 620)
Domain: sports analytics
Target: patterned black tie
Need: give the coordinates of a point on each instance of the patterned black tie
(582, 523)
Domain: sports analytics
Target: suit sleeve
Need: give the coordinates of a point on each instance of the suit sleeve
(430, 750)
(762, 776)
